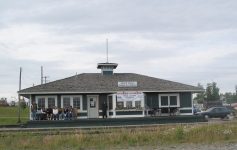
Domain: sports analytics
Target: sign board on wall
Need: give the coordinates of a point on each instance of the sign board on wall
(127, 84)
(130, 96)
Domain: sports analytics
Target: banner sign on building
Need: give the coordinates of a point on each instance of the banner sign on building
(130, 96)
(127, 84)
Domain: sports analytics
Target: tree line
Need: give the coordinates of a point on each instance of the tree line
(212, 93)
(4, 103)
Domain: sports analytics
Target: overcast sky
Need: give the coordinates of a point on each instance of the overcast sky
(187, 41)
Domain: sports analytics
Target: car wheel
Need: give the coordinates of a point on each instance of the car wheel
(206, 116)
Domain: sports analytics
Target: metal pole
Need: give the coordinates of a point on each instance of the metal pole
(42, 80)
(19, 103)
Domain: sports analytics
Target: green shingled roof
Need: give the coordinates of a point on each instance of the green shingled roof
(97, 83)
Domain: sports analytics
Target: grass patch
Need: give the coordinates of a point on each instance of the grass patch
(120, 138)
(9, 115)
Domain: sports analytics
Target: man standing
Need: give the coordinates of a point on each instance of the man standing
(55, 113)
(33, 110)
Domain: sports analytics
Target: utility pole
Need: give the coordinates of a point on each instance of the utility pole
(45, 79)
(19, 102)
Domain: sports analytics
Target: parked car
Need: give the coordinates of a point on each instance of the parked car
(217, 112)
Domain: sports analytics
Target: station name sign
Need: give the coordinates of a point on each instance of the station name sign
(127, 84)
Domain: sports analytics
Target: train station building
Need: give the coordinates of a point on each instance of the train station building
(126, 94)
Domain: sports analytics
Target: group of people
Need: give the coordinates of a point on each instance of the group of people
(53, 113)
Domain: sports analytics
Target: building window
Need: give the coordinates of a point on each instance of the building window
(120, 105)
(51, 102)
(76, 102)
(46, 101)
(41, 103)
(138, 104)
(66, 102)
(129, 104)
(164, 101)
(173, 100)
(169, 100)
(92, 103)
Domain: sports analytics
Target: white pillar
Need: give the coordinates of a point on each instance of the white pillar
(114, 105)
(46, 103)
(30, 102)
(142, 105)
(192, 101)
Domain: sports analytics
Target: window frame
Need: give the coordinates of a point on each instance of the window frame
(80, 101)
(169, 95)
(167, 102)
(71, 100)
(46, 100)
(41, 99)
(139, 106)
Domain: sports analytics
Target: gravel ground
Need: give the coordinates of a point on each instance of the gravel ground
(224, 146)
(229, 146)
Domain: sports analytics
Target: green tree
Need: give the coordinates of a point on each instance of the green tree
(230, 97)
(23, 103)
(212, 92)
(200, 96)
(234, 99)
(3, 102)
(235, 89)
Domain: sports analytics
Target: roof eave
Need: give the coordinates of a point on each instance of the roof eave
(145, 91)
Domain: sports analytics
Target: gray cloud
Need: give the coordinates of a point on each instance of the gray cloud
(185, 41)
(128, 16)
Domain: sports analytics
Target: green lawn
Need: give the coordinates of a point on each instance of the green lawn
(9, 115)
(121, 138)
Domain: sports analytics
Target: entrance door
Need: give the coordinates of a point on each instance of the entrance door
(92, 103)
